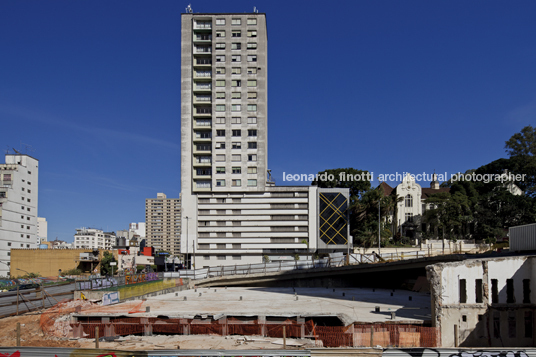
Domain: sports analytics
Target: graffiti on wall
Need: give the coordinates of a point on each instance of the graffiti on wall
(429, 352)
(110, 298)
(69, 352)
(140, 278)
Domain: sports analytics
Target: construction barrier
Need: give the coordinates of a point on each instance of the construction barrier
(383, 335)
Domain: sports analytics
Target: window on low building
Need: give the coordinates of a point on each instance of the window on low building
(494, 291)
(463, 291)
(478, 291)
(526, 291)
(510, 296)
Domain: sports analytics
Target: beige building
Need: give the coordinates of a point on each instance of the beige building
(163, 223)
(48, 262)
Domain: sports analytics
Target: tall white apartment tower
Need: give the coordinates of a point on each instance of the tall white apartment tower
(223, 103)
(231, 211)
(19, 178)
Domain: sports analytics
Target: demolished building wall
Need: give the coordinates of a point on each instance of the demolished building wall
(484, 302)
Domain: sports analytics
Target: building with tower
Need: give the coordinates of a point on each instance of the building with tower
(232, 212)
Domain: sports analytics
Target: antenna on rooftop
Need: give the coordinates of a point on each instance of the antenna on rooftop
(16, 152)
(27, 148)
(255, 10)
(189, 9)
(7, 150)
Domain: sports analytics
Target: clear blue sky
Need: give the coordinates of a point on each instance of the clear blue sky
(385, 86)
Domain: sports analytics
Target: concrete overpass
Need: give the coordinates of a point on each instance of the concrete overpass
(396, 274)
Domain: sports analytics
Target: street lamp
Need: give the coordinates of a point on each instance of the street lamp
(186, 260)
(23, 271)
(379, 226)
(9, 266)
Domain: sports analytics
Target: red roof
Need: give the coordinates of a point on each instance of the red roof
(386, 189)
(427, 191)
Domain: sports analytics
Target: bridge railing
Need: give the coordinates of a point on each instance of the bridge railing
(289, 265)
(262, 268)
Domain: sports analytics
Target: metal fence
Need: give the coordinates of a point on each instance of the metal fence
(263, 268)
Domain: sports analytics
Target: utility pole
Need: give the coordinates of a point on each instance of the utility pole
(186, 260)
(379, 226)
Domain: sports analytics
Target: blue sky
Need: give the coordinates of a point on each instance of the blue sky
(385, 86)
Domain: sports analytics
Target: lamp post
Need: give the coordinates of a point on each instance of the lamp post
(379, 226)
(186, 260)
(9, 267)
(23, 271)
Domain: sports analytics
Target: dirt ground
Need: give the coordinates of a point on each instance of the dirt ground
(32, 335)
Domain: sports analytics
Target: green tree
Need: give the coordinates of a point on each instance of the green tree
(523, 143)
(357, 187)
(365, 215)
(106, 268)
(521, 148)
(451, 213)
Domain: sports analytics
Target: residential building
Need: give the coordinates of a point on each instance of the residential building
(232, 212)
(94, 238)
(138, 228)
(42, 230)
(163, 223)
(19, 179)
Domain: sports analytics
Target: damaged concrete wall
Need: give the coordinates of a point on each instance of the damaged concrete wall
(484, 302)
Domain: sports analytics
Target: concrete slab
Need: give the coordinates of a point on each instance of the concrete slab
(356, 306)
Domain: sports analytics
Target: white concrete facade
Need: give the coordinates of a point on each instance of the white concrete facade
(19, 179)
(42, 230)
(491, 301)
(92, 238)
(231, 211)
(138, 228)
